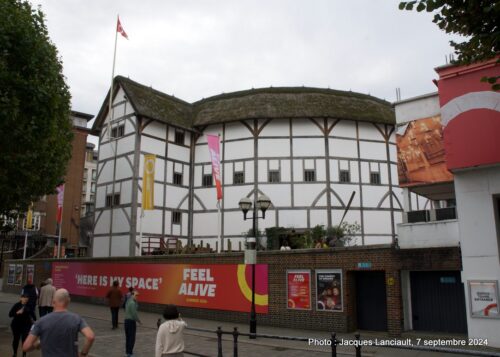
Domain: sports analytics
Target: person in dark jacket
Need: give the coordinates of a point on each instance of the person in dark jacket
(114, 297)
(31, 292)
(21, 322)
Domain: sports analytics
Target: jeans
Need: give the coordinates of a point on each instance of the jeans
(130, 328)
(114, 316)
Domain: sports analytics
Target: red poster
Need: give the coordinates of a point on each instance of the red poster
(299, 289)
(219, 287)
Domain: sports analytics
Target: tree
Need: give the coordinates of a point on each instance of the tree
(477, 20)
(35, 128)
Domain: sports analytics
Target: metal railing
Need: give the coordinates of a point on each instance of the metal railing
(333, 342)
(438, 214)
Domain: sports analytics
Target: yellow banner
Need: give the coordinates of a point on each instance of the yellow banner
(29, 217)
(148, 182)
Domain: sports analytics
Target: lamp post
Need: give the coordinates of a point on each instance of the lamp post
(262, 204)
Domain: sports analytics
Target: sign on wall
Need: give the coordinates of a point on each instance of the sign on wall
(11, 277)
(298, 287)
(329, 290)
(221, 287)
(19, 274)
(483, 298)
(30, 274)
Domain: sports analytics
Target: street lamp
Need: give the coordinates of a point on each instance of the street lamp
(262, 204)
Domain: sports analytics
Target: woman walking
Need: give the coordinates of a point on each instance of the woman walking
(21, 322)
(170, 337)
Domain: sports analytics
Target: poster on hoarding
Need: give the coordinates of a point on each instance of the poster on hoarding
(11, 277)
(298, 287)
(483, 298)
(19, 274)
(30, 274)
(216, 286)
(329, 290)
(421, 155)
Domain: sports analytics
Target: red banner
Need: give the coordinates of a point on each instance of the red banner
(60, 202)
(220, 287)
(298, 289)
(213, 148)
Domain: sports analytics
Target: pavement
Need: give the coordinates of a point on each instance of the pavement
(111, 343)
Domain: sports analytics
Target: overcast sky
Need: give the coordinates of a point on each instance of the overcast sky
(197, 49)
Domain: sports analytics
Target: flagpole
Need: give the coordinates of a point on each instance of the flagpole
(219, 238)
(140, 229)
(112, 81)
(25, 243)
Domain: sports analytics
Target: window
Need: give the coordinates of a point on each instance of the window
(84, 187)
(179, 137)
(177, 178)
(176, 217)
(85, 174)
(274, 176)
(118, 131)
(109, 200)
(207, 181)
(92, 187)
(375, 178)
(94, 174)
(345, 176)
(112, 200)
(238, 178)
(309, 175)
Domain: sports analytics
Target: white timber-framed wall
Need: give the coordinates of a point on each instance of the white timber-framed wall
(252, 147)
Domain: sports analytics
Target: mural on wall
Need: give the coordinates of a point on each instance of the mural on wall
(421, 155)
(221, 286)
(329, 290)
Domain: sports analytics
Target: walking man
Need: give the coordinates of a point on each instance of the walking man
(57, 333)
(46, 297)
(131, 320)
(114, 297)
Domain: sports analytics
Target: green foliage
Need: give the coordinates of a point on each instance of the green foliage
(343, 235)
(477, 20)
(35, 129)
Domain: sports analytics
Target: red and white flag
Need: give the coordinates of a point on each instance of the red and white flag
(213, 148)
(119, 28)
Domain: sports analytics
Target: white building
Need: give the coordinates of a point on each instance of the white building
(89, 179)
(307, 149)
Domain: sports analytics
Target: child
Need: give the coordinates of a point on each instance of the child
(21, 322)
(170, 338)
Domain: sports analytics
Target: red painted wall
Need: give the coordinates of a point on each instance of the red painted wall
(472, 128)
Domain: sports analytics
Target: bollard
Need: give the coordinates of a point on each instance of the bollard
(219, 342)
(358, 345)
(235, 342)
(334, 344)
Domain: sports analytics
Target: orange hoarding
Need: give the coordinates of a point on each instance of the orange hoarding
(221, 286)
(421, 155)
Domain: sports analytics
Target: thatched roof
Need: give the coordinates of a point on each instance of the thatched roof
(273, 103)
(294, 102)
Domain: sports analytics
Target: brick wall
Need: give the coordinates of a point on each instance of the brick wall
(382, 258)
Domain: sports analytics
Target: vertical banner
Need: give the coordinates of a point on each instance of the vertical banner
(298, 287)
(60, 202)
(19, 274)
(29, 217)
(148, 182)
(11, 278)
(30, 274)
(329, 289)
(483, 299)
(213, 148)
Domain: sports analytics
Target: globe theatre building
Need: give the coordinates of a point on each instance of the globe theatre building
(307, 149)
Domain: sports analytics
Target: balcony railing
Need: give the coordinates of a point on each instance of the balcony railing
(438, 214)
